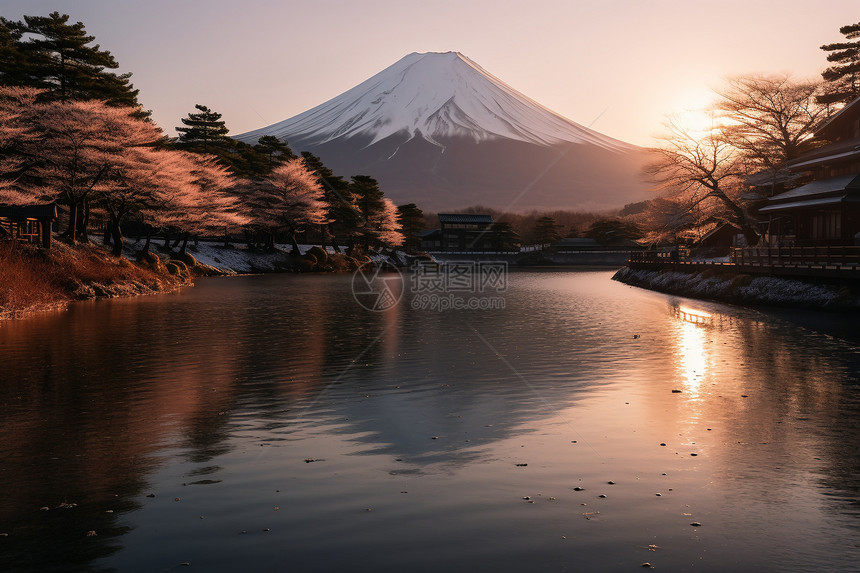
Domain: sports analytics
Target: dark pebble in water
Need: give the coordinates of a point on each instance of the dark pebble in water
(662, 444)
(577, 488)
(676, 391)
(696, 524)
(573, 441)
(521, 465)
(602, 495)
(646, 564)
(309, 460)
(150, 495)
(694, 454)
(744, 396)
(659, 494)
(610, 482)
(526, 497)
(435, 438)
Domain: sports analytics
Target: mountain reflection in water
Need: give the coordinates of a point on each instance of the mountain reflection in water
(297, 429)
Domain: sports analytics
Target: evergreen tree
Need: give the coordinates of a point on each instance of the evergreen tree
(503, 237)
(369, 201)
(13, 62)
(273, 150)
(204, 131)
(57, 57)
(411, 220)
(545, 231)
(613, 231)
(343, 214)
(843, 77)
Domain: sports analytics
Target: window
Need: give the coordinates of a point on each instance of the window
(827, 225)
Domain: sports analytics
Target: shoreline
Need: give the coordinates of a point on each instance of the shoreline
(746, 290)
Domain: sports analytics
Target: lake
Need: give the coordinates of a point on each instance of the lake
(557, 422)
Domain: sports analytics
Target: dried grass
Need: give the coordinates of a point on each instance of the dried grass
(33, 280)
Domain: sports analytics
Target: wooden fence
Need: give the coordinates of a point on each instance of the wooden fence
(826, 257)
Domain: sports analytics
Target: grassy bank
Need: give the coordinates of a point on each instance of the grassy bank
(33, 280)
(745, 289)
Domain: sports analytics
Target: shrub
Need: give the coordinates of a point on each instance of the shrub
(741, 281)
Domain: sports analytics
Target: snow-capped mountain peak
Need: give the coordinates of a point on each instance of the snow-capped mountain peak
(433, 96)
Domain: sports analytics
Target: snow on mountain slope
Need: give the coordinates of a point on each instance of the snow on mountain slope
(433, 96)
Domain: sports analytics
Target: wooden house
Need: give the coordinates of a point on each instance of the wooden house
(463, 232)
(28, 223)
(825, 211)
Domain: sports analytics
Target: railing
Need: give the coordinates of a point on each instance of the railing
(659, 256)
(28, 231)
(832, 257)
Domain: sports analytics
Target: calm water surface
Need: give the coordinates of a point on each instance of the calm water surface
(269, 423)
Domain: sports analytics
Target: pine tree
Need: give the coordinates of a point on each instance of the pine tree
(503, 237)
(613, 231)
(204, 131)
(14, 65)
(273, 150)
(57, 57)
(343, 214)
(545, 231)
(843, 77)
(369, 201)
(411, 220)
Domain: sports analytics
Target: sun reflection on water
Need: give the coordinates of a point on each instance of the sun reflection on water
(691, 345)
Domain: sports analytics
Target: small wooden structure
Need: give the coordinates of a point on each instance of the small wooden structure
(465, 232)
(28, 223)
(826, 209)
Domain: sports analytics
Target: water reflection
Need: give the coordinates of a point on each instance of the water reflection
(439, 422)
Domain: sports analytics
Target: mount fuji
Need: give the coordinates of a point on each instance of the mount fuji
(438, 130)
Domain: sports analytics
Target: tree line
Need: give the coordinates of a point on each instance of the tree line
(72, 131)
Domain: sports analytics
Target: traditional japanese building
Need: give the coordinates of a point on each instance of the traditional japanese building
(825, 211)
(28, 223)
(464, 232)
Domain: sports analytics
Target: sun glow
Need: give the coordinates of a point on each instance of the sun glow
(692, 112)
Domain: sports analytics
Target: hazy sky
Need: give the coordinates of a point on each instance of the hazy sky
(618, 66)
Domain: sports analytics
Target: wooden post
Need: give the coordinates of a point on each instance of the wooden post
(45, 228)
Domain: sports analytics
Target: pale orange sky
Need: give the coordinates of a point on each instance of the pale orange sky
(619, 66)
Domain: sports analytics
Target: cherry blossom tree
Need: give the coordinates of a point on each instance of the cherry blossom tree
(386, 224)
(289, 199)
(81, 144)
(17, 141)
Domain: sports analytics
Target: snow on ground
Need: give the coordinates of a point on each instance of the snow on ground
(744, 289)
(236, 259)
